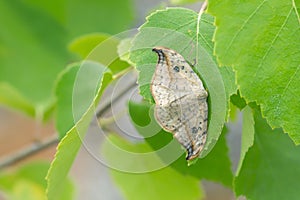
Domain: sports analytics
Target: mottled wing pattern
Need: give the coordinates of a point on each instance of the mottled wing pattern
(180, 98)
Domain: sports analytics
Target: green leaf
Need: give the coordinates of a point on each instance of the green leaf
(34, 172)
(84, 45)
(28, 182)
(177, 29)
(124, 50)
(14, 99)
(33, 39)
(238, 101)
(247, 134)
(64, 92)
(31, 55)
(25, 190)
(182, 2)
(216, 166)
(270, 169)
(101, 48)
(109, 16)
(164, 183)
(261, 41)
(91, 80)
(233, 113)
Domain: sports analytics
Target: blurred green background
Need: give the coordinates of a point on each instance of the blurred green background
(34, 50)
(34, 42)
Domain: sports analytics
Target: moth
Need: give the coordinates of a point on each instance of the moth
(181, 101)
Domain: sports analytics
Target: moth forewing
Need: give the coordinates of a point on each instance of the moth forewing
(181, 101)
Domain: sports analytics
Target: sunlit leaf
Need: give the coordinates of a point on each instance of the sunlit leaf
(247, 134)
(91, 79)
(102, 48)
(260, 39)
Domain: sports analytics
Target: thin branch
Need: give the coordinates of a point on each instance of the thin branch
(39, 146)
(114, 99)
(28, 151)
(105, 122)
(123, 72)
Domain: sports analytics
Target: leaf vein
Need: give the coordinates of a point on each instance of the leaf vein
(295, 8)
(205, 41)
(270, 46)
(243, 25)
(291, 79)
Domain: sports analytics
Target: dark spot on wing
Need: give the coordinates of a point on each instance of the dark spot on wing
(194, 130)
(176, 69)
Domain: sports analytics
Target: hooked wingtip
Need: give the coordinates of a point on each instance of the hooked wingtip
(157, 50)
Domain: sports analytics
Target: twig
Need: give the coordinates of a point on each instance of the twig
(39, 146)
(104, 122)
(28, 151)
(115, 98)
(123, 72)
